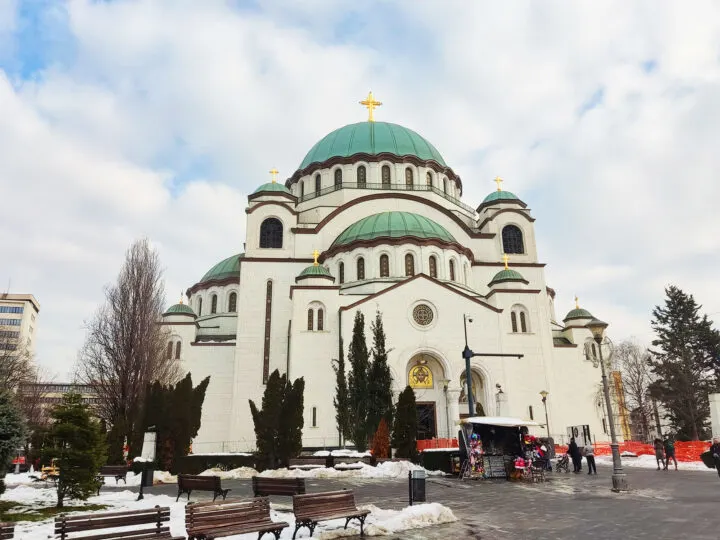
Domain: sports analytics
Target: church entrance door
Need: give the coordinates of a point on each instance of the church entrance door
(427, 421)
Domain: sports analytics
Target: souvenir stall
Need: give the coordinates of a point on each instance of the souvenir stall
(500, 447)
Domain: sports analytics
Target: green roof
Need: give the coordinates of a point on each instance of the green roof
(500, 196)
(315, 271)
(372, 138)
(180, 309)
(393, 225)
(273, 186)
(507, 274)
(578, 313)
(226, 268)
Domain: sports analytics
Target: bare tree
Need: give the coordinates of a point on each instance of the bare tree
(125, 347)
(634, 365)
(16, 362)
(32, 399)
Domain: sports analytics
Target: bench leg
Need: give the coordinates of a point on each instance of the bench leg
(224, 493)
(304, 523)
(362, 525)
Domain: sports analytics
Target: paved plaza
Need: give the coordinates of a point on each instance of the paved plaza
(661, 505)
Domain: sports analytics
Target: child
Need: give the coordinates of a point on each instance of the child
(659, 453)
(669, 447)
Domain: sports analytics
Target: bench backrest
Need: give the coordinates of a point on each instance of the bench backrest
(193, 481)
(156, 520)
(6, 530)
(278, 486)
(208, 515)
(308, 461)
(323, 503)
(114, 469)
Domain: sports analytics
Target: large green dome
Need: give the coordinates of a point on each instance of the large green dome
(372, 138)
(226, 268)
(393, 225)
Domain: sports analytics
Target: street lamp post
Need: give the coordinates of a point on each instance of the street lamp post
(544, 395)
(619, 478)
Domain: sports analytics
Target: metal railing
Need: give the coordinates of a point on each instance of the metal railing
(386, 187)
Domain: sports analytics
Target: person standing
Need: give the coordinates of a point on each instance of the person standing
(659, 453)
(590, 456)
(669, 447)
(574, 452)
(715, 450)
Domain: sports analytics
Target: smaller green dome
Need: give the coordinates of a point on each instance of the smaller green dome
(507, 275)
(578, 313)
(315, 271)
(179, 309)
(500, 196)
(273, 186)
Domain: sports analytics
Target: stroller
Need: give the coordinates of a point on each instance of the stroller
(563, 464)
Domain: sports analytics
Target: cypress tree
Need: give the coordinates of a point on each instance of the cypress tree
(79, 447)
(380, 398)
(12, 433)
(267, 419)
(404, 437)
(688, 348)
(289, 435)
(358, 384)
(341, 399)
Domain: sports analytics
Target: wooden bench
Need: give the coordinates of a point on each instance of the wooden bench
(262, 487)
(6, 531)
(314, 507)
(209, 520)
(119, 472)
(187, 483)
(148, 523)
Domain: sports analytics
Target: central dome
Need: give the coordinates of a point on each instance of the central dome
(372, 138)
(393, 225)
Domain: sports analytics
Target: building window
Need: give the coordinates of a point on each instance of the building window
(266, 345)
(384, 266)
(423, 314)
(338, 177)
(177, 351)
(341, 272)
(519, 318)
(513, 321)
(409, 265)
(433, 266)
(169, 350)
(512, 239)
(199, 308)
(361, 176)
(428, 178)
(530, 410)
(408, 177)
(452, 270)
(10, 322)
(321, 320)
(385, 176)
(9, 334)
(523, 325)
(302, 189)
(213, 303)
(361, 268)
(311, 320)
(317, 183)
(271, 233)
(314, 417)
(11, 309)
(444, 185)
(232, 302)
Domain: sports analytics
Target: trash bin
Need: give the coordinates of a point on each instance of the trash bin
(146, 478)
(416, 486)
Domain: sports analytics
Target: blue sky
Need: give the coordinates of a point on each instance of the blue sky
(157, 117)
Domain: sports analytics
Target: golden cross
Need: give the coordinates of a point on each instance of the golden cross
(274, 173)
(498, 181)
(370, 103)
(577, 306)
(316, 254)
(505, 259)
(181, 296)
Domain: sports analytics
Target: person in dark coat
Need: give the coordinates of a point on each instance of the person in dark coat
(575, 455)
(715, 451)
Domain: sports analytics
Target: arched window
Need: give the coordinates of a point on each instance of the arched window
(213, 303)
(199, 307)
(408, 177)
(302, 189)
(341, 272)
(169, 350)
(232, 302)
(361, 268)
(444, 185)
(512, 239)
(311, 319)
(433, 266)
(268, 326)
(271, 233)
(513, 320)
(361, 176)
(318, 185)
(523, 324)
(177, 351)
(428, 178)
(384, 265)
(385, 176)
(321, 321)
(520, 319)
(452, 270)
(467, 274)
(338, 177)
(409, 265)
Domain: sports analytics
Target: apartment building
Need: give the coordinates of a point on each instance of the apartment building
(18, 321)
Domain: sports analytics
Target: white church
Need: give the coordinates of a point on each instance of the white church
(373, 220)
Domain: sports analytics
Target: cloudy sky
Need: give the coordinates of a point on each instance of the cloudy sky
(129, 118)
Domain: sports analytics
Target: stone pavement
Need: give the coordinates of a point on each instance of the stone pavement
(661, 505)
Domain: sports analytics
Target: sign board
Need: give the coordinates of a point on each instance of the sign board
(581, 434)
(148, 447)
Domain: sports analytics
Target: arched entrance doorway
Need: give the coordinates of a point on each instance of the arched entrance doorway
(477, 384)
(426, 376)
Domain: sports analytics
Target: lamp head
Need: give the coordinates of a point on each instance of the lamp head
(544, 394)
(597, 327)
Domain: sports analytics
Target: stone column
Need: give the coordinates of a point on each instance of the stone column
(453, 395)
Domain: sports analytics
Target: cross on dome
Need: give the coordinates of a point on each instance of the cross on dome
(274, 173)
(577, 305)
(499, 182)
(316, 254)
(505, 259)
(370, 102)
(181, 297)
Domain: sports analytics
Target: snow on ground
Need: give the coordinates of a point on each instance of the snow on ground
(379, 523)
(239, 473)
(342, 453)
(159, 477)
(649, 462)
(12, 479)
(387, 469)
(203, 454)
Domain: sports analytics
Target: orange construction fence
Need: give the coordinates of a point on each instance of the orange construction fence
(425, 444)
(684, 451)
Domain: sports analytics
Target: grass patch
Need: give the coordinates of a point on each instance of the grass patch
(15, 511)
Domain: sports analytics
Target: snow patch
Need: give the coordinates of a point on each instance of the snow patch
(12, 479)
(387, 469)
(235, 474)
(342, 452)
(649, 462)
(244, 454)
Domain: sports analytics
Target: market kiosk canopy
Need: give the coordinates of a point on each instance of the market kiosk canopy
(504, 421)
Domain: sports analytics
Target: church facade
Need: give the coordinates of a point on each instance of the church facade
(373, 220)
